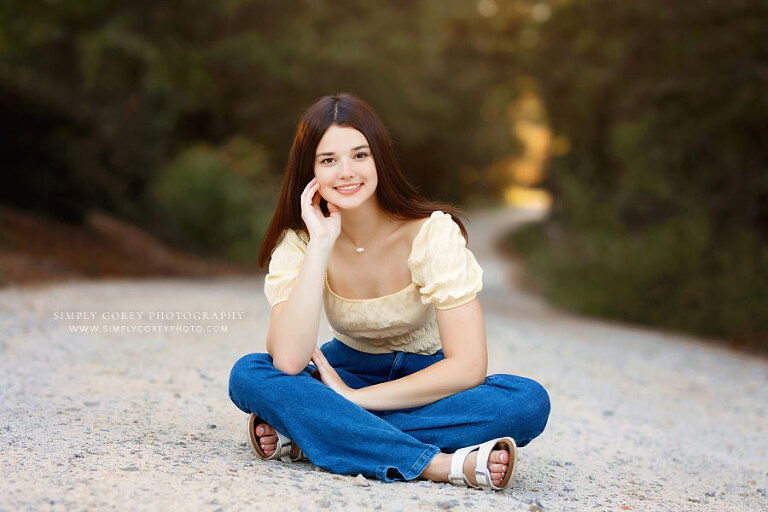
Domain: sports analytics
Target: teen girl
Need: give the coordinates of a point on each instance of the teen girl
(401, 391)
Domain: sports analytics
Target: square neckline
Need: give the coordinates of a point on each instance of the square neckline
(398, 292)
(345, 299)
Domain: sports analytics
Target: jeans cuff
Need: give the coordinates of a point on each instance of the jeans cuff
(414, 471)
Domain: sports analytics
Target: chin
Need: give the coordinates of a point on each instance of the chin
(347, 206)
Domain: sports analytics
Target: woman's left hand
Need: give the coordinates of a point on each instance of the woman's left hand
(329, 376)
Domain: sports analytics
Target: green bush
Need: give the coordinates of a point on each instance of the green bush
(218, 200)
(666, 276)
(661, 202)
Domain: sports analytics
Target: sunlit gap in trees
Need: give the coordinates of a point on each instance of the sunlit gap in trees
(528, 123)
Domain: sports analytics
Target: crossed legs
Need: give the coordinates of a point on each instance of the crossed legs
(344, 438)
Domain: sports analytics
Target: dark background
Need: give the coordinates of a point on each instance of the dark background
(644, 122)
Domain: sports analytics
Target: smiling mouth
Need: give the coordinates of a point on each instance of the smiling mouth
(349, 188)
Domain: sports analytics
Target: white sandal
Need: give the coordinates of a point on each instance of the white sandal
(482, 473)
(283, 448)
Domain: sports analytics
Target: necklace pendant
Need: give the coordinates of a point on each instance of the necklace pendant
(359, 249)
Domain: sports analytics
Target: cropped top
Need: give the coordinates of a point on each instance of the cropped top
(444, 275)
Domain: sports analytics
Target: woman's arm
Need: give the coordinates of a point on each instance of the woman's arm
(462, 331)
(293, 324)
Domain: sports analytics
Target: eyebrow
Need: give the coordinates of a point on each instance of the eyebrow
(353, 149)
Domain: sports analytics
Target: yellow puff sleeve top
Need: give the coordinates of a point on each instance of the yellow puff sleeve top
(284, 265)
(444, 275)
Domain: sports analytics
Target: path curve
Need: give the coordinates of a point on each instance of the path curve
(641, 418)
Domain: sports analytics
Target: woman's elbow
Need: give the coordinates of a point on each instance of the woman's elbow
(475, 380)
(288, 366)
(474, 375)
(480, 372)
(286, 363)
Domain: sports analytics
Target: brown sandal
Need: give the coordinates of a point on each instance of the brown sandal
(284, 444)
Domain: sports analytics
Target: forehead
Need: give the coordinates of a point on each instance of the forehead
(340, 139)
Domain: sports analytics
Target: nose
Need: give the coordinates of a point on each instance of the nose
(344, 168)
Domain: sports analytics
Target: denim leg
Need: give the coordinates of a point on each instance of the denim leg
(335, 433)
(504, 405)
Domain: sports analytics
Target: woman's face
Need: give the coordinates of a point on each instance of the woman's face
(344, 167)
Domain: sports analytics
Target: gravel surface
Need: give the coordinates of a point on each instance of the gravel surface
(641, 419)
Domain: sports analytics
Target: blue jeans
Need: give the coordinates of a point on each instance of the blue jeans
(342, 437)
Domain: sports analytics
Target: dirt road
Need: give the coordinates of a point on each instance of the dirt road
(107, 411)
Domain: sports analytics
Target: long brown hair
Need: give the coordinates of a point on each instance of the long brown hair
(394, 193)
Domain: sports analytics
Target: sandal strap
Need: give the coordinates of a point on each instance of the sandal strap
(482, 473)
(284, 447)
(457, 476)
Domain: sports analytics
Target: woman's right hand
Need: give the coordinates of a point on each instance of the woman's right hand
(319, 225)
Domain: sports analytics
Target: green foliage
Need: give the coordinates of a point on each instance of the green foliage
(124, 87)
(667, 276)
(662, 107)
(218, 200)
(662, 201)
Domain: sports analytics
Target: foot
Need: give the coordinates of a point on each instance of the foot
(440, 467)
(268, 440)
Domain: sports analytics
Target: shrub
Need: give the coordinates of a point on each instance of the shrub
(218, 200)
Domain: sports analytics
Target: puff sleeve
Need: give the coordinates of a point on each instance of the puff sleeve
(284, 266)
(442, 266)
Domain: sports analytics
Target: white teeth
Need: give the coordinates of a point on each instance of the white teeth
(348, 187)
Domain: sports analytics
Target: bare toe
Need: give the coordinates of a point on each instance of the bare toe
(499, 456)
(498, 464)
(263, 429)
